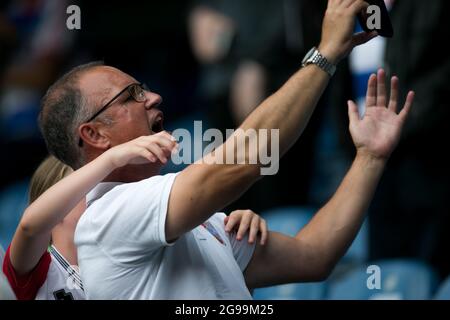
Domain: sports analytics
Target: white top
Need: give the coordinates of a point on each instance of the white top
(123, 253)
(53, 278)
(63, 280)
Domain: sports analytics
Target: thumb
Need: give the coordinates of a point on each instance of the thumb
(353, 114)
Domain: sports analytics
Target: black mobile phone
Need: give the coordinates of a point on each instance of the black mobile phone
(376, 19)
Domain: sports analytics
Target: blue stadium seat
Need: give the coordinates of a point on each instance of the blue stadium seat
(289, 221)
(358, 251)
(13, 201)
(443, 292)
(399, 280)
(355, 256)
(293, 291)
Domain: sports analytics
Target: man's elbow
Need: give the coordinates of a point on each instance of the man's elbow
(323, 273)
(320, 271)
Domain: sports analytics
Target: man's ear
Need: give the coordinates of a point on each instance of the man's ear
(94, 136)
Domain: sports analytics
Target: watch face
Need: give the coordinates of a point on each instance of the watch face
(309, 55)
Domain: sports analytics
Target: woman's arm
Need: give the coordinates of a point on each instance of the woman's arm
(32, 236)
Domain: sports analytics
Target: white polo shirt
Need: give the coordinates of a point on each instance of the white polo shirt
(123, 252)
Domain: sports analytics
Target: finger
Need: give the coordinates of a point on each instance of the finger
(161, 133)
(162, 137)
(167, 152)
(158, 152)
(147, 155)
(264, 231)
(333, 3)
(162, 140)
(371, 94)
(243, 226)
(254, 228)
(407, 107)
(233, 219)
(358, 6)
(166, 134)
(151, 142)
(175, 149)
(226, 220)
(348, 3)
(363, 37)
(167, 146)
(353, 114)
(394, 94)
(381, 88)
(138, 154)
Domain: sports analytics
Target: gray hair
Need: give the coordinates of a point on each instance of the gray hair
(63, 109)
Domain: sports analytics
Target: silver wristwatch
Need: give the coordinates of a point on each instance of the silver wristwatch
(315, 57)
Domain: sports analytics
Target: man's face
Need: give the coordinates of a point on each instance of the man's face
(131, 119)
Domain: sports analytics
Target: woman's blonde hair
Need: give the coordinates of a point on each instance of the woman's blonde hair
(49, 172)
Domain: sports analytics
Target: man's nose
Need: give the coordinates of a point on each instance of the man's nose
(153, 100)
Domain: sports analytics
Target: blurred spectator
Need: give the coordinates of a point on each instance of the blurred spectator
(331, 161)
(36, 43)
(409, 216)
(146, 39)
(247, 51)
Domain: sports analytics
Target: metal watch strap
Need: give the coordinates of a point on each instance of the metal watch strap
(318, 59)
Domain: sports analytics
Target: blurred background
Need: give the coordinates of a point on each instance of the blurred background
(215, 61)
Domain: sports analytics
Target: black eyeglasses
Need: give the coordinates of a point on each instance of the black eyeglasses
(135, 90)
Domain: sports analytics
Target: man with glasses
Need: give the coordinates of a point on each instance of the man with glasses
(136, 91)
(147, 236)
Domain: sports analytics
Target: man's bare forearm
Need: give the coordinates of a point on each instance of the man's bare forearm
(290, 108)
(211, 185)
(334, 227)
(315, 250)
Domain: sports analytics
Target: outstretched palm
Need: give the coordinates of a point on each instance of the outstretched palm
(378, 132)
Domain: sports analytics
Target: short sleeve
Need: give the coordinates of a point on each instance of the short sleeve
(128, 222)
(242, 250)
(26, 286)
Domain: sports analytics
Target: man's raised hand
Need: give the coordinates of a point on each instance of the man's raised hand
(338, 25)
(378, 132)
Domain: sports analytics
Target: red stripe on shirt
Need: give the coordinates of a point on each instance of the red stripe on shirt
(26, 286)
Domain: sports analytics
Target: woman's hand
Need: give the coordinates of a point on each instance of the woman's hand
(145, 149)
(247, 220)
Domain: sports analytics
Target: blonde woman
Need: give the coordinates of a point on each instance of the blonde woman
(35, 269)
(41, 261)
